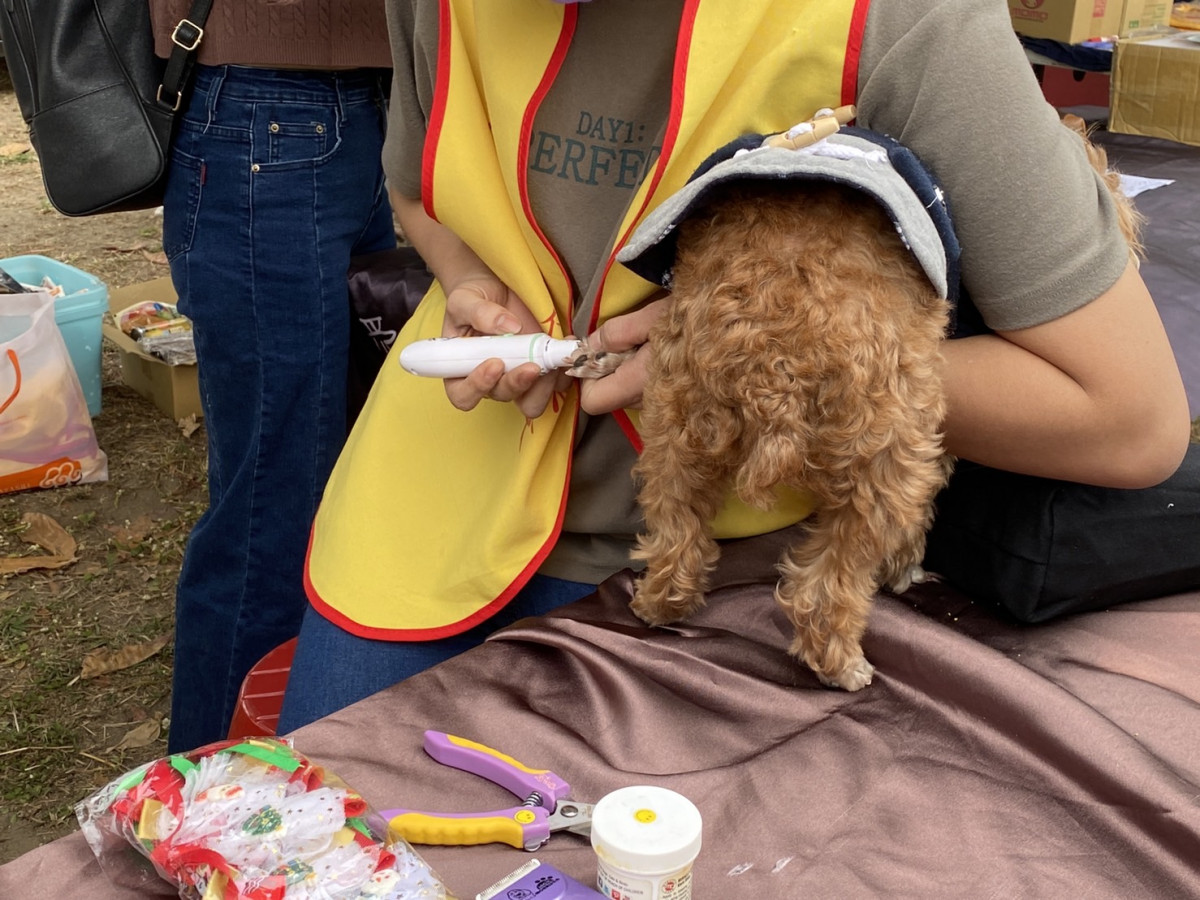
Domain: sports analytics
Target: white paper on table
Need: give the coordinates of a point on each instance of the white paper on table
(1132, 185)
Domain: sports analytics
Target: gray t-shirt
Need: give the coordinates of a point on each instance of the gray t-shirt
(945, 77)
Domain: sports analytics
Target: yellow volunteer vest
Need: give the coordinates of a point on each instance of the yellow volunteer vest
(434, 518)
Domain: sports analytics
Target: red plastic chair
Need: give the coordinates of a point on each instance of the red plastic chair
(261, 694)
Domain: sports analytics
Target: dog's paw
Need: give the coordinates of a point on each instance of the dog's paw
(653, 612)
(588, 363)
(907, 578)
(663, 608)
(854, 677)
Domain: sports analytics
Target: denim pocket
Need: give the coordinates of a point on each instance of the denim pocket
(181, 204)
(296, 142)
(287, 135)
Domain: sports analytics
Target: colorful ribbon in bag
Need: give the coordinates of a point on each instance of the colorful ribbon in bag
(254, 820)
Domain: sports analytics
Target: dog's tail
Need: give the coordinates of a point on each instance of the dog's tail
(779, 451)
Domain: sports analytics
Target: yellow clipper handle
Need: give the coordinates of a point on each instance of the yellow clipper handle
(522, 827)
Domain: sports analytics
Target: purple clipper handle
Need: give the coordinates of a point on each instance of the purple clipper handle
(521, 826)
(497, 767)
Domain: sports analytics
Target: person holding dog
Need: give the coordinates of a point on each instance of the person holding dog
(528, 139)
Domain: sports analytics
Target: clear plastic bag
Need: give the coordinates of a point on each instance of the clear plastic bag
(46, 434)
(250, 819)
(160, 331)
(173, 348)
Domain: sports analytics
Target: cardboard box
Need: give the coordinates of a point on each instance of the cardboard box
(1141, 15)
(173, 389)
(1156, 87)
(1069, 21)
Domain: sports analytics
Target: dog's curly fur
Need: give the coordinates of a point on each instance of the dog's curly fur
(802, 348)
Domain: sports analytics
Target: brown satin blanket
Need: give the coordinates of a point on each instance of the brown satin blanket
(987, 760)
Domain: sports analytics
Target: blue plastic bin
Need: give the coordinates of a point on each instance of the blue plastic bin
(78, 314)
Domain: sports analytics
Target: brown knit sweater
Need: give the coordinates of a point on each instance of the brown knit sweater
(293, 34)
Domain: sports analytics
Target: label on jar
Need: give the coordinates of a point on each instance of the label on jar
(619, 885)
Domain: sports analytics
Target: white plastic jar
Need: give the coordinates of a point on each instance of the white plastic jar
(646, 839)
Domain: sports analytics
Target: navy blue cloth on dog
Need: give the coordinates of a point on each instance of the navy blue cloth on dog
(871, 162)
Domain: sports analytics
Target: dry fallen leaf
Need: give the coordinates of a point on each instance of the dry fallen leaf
(140, 736)
(189, 425)
(101, 662)
(158, 258)
(132, 532)
(47, 534)
(16, 149)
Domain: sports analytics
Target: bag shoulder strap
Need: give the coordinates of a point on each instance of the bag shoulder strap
(186, 39)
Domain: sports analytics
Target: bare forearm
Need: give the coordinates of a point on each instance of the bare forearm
(1010, 409)
(1094, 397)
(450, 260)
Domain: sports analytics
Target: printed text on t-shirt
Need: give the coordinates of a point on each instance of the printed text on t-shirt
(603, 151)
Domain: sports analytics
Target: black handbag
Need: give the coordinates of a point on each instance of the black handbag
(1040, 548)
(385, 289)
(99, 104)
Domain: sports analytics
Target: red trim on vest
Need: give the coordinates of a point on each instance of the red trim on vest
(627, 426)
(683, 48)
(442, 631)
(570, 18)
(854, 42)
(437, 115)
(393, 634)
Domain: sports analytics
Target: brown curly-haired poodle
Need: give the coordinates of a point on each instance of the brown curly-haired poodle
(802, 348)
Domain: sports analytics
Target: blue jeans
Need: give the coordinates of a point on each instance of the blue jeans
(275, 182)
(333, 668)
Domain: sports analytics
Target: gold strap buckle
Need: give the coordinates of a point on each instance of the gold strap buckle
(178, 99)
(191, 32)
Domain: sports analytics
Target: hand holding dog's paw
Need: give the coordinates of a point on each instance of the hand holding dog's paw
(587, 362)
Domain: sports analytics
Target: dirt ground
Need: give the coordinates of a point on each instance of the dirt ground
(65, 732)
